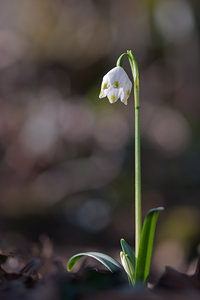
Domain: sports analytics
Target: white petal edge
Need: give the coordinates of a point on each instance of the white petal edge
(113, 93)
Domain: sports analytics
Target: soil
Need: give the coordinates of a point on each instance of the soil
(48, 279)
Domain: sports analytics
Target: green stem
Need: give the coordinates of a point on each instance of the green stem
(138, 222)
(138, 214)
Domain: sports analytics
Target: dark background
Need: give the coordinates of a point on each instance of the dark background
(67, 157)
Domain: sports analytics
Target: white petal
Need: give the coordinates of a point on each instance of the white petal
(126, 92)
(103, 93)
(105, 83)
(123, 96)
(124, 100)
(118, 74)
(113, 95)
(104, 87)
(127, 87)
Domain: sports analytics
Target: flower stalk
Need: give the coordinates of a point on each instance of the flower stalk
(138, 214)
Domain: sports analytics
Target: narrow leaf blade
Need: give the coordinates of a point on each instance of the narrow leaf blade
(146, 245)
(110, 263)
(128, 251)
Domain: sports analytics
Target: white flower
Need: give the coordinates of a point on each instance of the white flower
(115, 85)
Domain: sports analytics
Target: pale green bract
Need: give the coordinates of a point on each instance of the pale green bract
(128, 267)
(128, 251)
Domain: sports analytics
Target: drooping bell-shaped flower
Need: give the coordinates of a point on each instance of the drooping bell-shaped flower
(116, 85)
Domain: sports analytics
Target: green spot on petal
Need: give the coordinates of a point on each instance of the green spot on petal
(116, 84)
(105, 86)
(112, 98)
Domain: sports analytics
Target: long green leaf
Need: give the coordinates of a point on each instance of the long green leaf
(146, 245)
(128, 251)
(111, 264)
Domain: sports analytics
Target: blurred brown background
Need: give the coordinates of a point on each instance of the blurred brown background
(67, 157)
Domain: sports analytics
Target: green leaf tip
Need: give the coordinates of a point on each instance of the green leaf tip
(160, 208)
(110, 263)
